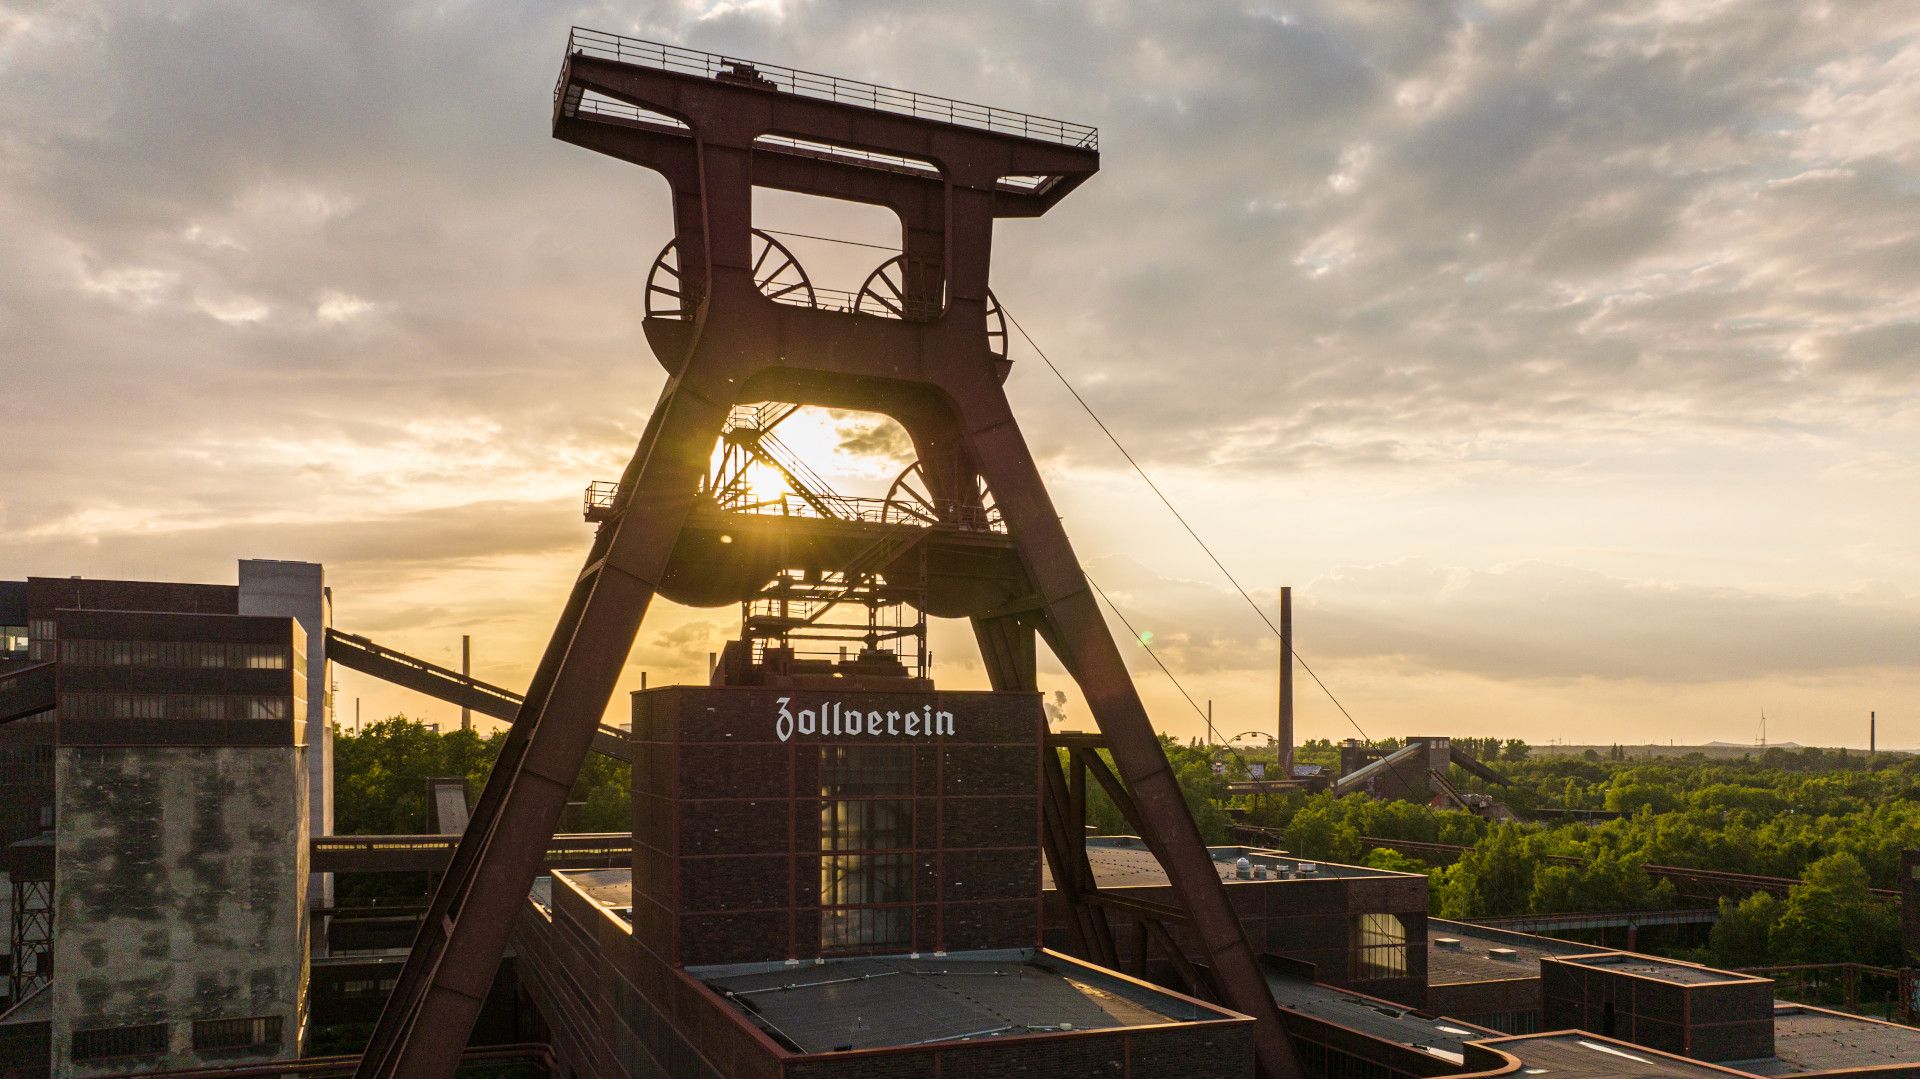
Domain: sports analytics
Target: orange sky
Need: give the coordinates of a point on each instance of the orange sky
(1563, 360)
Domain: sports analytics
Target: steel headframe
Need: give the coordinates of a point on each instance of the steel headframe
(716, 128)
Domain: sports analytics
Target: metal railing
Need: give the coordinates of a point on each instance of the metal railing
(870, 511)
(599, 501)
(664, 57)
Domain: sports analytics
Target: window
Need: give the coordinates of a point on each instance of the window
(40, 634)
(265, 657)
(13, 638)
(266, 708)
(138, 706)
(856, 771)
(866, 838)
(1379, 947)
(108, 1042)
(866, 928)
(865, 879)
(259, 1032)
(196, 706)
(866, 824)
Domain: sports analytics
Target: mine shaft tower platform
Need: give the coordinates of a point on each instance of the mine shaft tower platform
(969, 531)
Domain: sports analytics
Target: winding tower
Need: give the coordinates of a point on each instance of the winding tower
(968, 532)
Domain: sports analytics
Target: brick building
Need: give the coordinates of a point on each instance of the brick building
(840, 883)
(1341, 925)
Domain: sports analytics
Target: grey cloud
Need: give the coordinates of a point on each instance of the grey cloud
(1890, 353)
(314, 281)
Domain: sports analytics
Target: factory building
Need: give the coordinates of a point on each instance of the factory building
(180, 843)
(840, 883)
(164, 760)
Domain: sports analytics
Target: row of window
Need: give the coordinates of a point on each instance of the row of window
(173, 706)
(189, 654)
(150, 1039)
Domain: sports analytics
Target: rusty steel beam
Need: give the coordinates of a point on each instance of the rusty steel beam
(27, 691)
(444, 684)
(1059, 846)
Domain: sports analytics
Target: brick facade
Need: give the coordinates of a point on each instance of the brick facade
(729, 854)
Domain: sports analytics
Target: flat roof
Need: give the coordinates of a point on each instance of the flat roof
(1382, 1020)
(876, 1002)
(1471, 960)
(1652, 968)
(1816, 1040)
(1125, 862)
(609, 888)
(1579, 1054)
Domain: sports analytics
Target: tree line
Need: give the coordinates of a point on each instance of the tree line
(1837, 821)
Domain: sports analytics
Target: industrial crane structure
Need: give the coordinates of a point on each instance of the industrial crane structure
(968, 531)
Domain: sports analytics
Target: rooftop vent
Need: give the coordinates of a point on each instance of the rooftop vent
(1446, 942)
(1502, 953)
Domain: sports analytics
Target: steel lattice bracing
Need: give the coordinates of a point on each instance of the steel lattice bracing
(928, 357)
(30, 934)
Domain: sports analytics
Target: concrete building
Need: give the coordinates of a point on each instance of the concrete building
(162, 669)
(180, 842)
(298, 590)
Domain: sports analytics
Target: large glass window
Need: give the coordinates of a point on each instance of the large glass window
(866, 836)
(1379, 947)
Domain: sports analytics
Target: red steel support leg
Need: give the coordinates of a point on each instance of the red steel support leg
(1080, 638)
(430, 1013)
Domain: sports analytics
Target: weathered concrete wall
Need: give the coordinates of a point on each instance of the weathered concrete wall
(298, 590)
(182, 896)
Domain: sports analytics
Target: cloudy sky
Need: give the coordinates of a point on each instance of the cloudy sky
(1563, 356)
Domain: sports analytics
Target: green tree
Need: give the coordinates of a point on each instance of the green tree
(1393, 861)
(1740, 938)
(1833, 914)
(1494, 878)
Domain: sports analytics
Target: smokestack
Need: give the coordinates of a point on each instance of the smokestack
(1873, 732)
(466, 671)
(1285, 745)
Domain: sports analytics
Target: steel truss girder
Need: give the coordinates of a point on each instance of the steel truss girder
(940, 379)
